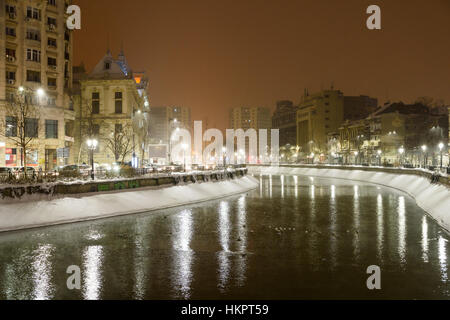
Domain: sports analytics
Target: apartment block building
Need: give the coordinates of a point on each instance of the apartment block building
(36, 57)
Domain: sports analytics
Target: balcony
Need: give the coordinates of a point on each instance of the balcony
(12, 16)
(11, 59)
(51, 28)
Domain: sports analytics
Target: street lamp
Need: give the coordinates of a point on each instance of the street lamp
(224, 155)
(424, 150)
(184, 146)
(441, 146)
(356, 157)
(379, 152)
(92, 145)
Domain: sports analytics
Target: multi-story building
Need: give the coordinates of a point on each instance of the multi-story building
(321, 115)
(36, 57)
(251, 118)
(394, 127)
(162, 123)
(112, 106)
(318, 115)
(285, 119)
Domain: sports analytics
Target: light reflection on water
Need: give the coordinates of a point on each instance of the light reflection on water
(293, 237)
(92, 263)
(183, 254)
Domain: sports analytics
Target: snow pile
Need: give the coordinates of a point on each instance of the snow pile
(23, 215)
(433, 198)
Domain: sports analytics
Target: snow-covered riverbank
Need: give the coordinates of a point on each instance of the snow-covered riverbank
(433, 198)
(24, 215)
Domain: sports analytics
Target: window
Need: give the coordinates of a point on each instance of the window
(95, 103)
(51, 22)
(11, 127)
(51, 129)
(34, 55)
(33, 35)
(51, 42)
(51, 62)
(33, 76)
(118, 128)
(10, 32)
(51, 101)
(10, 53)
(31, 128)
(10, 75)
(10, 9)
(33, 13)
(52, 3)
(51, 82)
(107, 65)
(118, 102)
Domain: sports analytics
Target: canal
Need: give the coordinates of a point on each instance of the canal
(295, 237)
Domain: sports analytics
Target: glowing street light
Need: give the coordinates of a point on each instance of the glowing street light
(40, 92)
(379, 152)
(424, 150)
(92, 145)
(441, 146)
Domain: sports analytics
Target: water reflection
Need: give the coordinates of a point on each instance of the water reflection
(183, 258)
(401, 229)
(92, 263)
(333, 229)
(443, 258)
(242, 241)
(380, 226)
(296, 186)
(224, 238)
(356, 223)
(425, 239)
(42, 270)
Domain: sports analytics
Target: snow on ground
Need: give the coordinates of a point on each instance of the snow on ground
(23, 215)
(432, 198)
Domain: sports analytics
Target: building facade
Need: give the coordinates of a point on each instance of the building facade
(285, 119)
(321, 115)
(37, 58)
(111, 106)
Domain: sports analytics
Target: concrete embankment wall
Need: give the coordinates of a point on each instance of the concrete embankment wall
(31, 192)
(434, 198)
(17, 215)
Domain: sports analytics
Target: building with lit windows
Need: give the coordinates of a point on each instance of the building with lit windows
(112, 106)
(36, 55)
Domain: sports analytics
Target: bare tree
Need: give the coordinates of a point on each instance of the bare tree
(21, 125)
(87, 124)
(120, 143)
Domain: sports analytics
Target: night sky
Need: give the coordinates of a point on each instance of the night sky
(214, 55)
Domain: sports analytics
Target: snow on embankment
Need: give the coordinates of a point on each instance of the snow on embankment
(433, 198)
(24, 215)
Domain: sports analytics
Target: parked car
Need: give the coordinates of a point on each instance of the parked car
(5, 172)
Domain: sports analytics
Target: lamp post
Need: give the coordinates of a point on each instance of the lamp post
(170, 137)
(92, 145)
(184, 146)
(441, 146)
(401, 151)
(356, 157)
(424, 150)
(379, 152)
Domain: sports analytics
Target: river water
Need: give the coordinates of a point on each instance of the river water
(294, 237)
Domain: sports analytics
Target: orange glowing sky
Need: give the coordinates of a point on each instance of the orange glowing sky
(214, 55)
